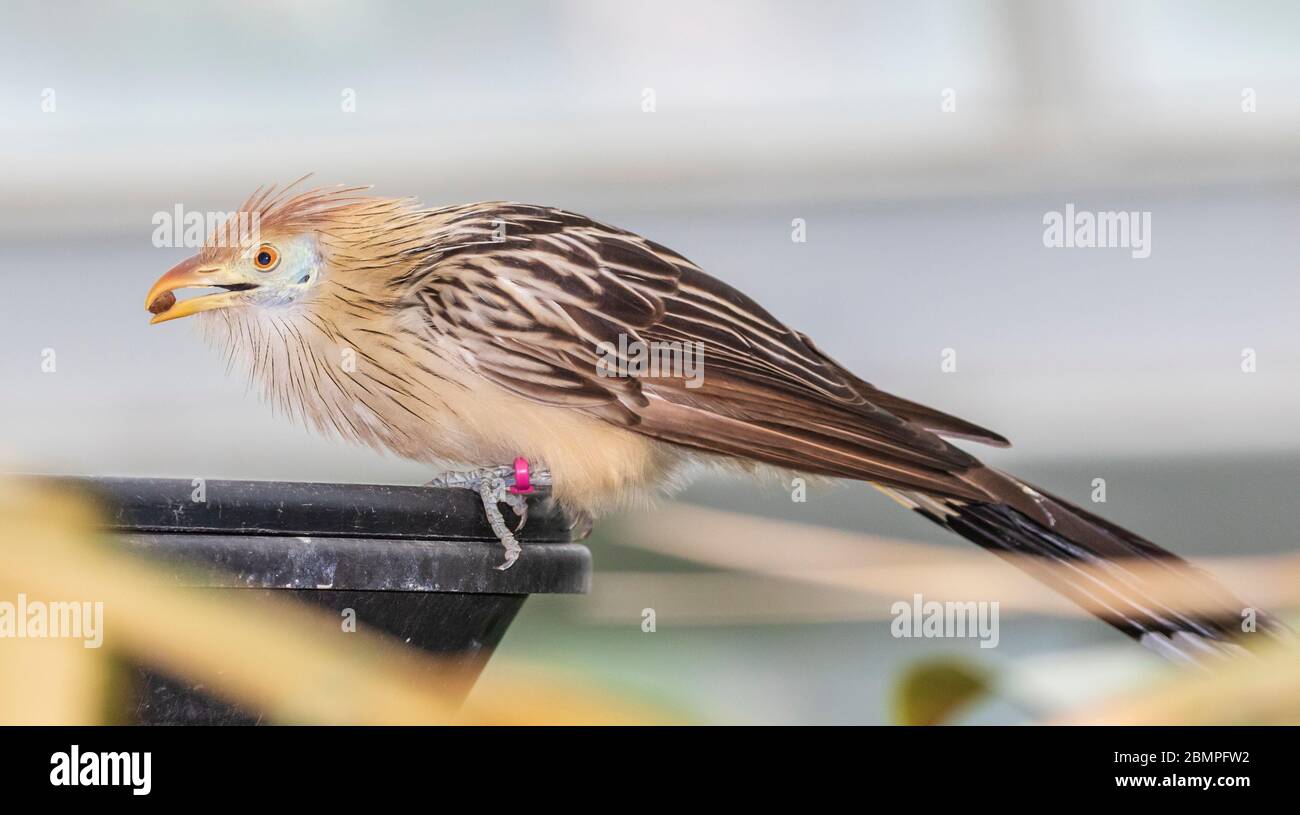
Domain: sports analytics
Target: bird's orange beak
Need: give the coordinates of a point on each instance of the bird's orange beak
(162, 302)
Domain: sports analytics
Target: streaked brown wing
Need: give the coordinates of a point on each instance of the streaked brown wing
(528, 294)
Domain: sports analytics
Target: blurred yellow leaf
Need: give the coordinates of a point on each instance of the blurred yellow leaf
(932, 692)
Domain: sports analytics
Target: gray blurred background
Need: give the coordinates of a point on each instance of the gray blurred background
(924, 233)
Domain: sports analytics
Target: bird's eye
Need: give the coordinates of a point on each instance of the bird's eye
(267, 258)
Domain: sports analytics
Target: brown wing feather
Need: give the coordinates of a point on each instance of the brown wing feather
(527, 294)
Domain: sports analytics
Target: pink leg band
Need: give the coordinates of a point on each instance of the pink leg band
(523, 486)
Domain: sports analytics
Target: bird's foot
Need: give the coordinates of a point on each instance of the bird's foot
(500, 485)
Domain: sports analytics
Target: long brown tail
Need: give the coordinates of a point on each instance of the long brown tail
(1116, 574)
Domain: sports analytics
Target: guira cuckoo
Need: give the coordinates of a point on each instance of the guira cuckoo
(478, 333)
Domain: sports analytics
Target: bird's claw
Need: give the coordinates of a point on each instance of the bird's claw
(493, 492)
(520, 505)
(493, 486)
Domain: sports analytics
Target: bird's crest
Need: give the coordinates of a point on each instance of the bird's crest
(280, 209)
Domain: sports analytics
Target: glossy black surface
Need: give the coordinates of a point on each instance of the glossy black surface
(412, 562)
(310, 508)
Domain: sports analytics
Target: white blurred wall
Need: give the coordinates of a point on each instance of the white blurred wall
(924, 227)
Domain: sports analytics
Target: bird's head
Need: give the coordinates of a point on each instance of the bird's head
(274, 253)
(275, 271)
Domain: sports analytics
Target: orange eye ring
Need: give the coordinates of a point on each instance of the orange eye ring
(266, 258)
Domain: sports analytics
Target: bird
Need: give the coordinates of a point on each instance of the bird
(478, 335)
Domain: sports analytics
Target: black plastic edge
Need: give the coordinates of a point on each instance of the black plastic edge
(297, 509)
(364, 564)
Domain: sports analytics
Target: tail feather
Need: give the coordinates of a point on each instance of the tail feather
(1089, 560)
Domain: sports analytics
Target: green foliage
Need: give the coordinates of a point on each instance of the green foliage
(934, 691)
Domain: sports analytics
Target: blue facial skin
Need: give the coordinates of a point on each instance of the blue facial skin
(292, 278)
